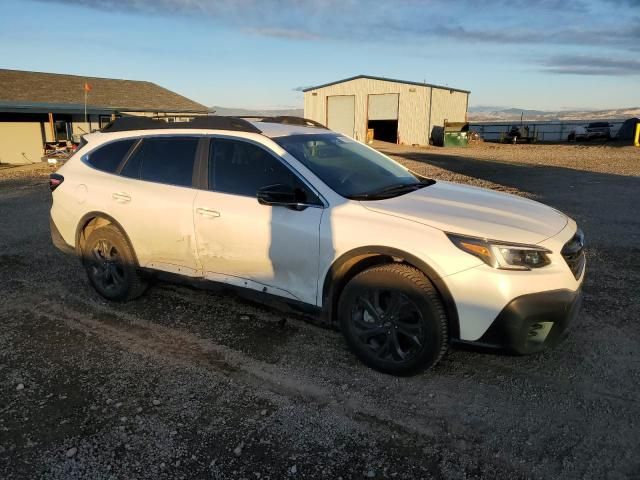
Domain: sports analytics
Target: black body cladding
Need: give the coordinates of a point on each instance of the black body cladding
(573, 253)
(517, 327)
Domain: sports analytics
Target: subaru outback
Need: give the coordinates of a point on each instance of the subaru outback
(403, 265)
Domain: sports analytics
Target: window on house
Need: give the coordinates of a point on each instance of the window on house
(104, 120)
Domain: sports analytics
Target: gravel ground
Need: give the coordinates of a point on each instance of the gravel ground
(186, 383)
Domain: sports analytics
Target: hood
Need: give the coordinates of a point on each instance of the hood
(475, 211)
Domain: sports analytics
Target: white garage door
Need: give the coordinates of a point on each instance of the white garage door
(341, 111)
(384, 106)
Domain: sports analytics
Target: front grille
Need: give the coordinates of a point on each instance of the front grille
(573, 253)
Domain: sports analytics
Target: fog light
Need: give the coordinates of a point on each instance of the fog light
(538, 331)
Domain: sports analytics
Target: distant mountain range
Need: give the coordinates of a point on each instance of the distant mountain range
(476, 114)
(242, 112)
(493, 114)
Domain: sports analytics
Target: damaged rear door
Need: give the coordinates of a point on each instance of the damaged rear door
(153, 201)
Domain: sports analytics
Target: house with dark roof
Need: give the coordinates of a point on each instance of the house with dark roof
(37, 108)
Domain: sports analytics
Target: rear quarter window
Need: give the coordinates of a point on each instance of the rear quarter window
(108, 157)
(168, 160)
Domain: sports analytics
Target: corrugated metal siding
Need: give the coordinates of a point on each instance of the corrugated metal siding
(384, 106)
(413, 108)
(448, 105)
(413, 121)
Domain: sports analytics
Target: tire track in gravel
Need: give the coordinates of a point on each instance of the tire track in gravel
(181, 348)
(176, 346)
(146, 338)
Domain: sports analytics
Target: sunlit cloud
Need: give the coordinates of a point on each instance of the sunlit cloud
(588, 65)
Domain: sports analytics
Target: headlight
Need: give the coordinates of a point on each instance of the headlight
(509, 256)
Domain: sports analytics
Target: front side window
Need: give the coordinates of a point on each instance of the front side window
(108, 157)
(242, 168)
(350, 168)
(164, 160)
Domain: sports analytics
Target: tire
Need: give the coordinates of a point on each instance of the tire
(393, 319)
(111, 266)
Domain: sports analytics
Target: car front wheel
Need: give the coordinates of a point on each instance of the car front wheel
(393, 319)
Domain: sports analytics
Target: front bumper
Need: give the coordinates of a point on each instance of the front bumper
(533, 322)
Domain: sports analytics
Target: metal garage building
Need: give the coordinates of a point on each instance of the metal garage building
(398, 111)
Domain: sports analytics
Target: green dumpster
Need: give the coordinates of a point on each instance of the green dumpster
(456, 134)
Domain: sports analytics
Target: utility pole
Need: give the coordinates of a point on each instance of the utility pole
(87, 89)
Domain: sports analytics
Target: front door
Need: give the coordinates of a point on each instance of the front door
(273, 249)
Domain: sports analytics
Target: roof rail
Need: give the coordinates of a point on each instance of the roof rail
(288, 120)
(212, 122)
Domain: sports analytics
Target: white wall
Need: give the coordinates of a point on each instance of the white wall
(20, 142)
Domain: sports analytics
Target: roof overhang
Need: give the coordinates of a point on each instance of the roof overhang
(383, 79)
(70, 108)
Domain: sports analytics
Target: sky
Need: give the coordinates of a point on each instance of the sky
(534, 54)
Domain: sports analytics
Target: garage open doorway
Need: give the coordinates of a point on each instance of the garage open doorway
(383, 116)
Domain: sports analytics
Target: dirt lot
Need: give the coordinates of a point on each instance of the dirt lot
(185, 383)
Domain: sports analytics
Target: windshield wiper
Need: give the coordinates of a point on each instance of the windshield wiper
(392, 190)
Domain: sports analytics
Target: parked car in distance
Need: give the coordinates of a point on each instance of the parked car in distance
(403, 264)
(520, 134)
(593, 131)
(578, 134)
(599, 130)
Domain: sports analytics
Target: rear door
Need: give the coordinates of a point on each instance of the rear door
(153, 201)
(273, 249)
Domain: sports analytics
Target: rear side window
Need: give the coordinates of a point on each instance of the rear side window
(163, 160)
(242, 168)
(108, 157)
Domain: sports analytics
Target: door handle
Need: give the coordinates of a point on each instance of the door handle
(207, 212)
(121, 197)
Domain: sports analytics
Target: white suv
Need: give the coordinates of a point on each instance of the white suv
(403, 264)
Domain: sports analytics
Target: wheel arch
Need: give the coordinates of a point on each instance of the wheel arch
(349, 264)
(96, 220)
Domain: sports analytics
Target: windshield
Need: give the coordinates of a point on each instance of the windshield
(350, 168)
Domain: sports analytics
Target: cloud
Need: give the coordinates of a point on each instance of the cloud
(585, 23)
(302, 88)
(589, 65)
(291, 34)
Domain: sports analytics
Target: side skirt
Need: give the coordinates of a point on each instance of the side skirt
(305, 311)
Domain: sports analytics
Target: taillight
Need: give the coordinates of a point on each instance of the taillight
(55, 180)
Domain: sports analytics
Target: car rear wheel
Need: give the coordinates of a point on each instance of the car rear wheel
(393, 319)
(111, 266)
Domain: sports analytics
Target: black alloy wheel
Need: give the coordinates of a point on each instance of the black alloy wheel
(393, 319)
(111, 265)
(388, 323)
(106, 266)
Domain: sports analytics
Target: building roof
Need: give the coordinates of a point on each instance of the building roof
(420, 84)
(37, 91)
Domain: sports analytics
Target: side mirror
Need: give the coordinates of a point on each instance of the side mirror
(281, 195)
